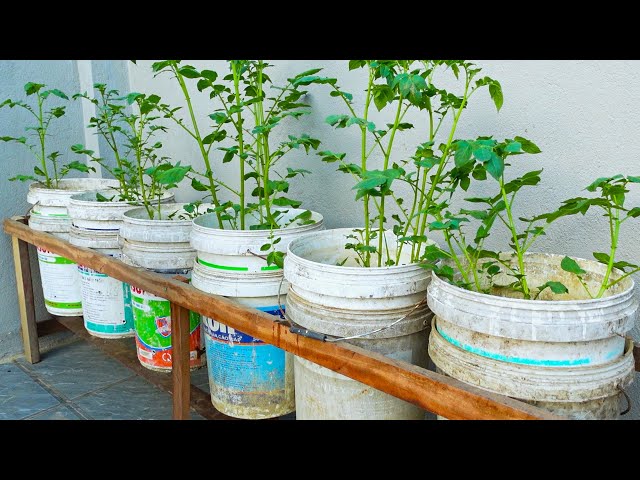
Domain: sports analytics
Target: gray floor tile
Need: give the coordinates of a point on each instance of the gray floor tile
(59, 413)
(20, 395)
(77, 369)
(133, 399)
(200, 378)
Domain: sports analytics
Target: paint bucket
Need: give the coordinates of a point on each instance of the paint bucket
(557, 332)
(384, 308)
(102, 296)
(58, 275)
(162, 246)
(248, 378)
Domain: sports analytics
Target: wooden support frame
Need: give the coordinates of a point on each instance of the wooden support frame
(26, 303)
(431, 391)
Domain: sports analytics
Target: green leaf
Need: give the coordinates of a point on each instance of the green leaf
(189, 72)
(513, 147)
(633, 179)
(265, 247)
(76, 165)
(330, 157)
(382, 95)
(495, 90)
(309, 79)
(209, 75)
(483, 153)
(30, 88)
(214, 137)
(198, 186)
(132, 97)
(276, 258)
(495, 166)
(463, 153)
(568, 264)
(58, 93)
(173, 175)
(527, 145)
(493, 270)
(340, 93)
(602, 257)
(556, 287)
(477, 214)
(219, 117)
(23, 178)
(286, 202)
(634, 212)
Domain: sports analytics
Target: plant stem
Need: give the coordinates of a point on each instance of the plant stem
(41, 135)
(363, 166)
(394, 129)
(614, 231)
(516, 242)
(236, 85)
(203, 151)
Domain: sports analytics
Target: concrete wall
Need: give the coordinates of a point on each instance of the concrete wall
(14, 159)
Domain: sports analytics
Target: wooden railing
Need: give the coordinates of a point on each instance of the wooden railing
(429, 390)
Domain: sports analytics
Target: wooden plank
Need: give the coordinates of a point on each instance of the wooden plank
(180, 361)
(124, 351)
(26, 305)
(429, 390)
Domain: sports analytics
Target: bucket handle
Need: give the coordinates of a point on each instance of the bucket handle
(325, 338)
(626, 397)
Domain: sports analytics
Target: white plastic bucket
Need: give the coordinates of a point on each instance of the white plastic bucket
(102, 296)
(60, 282)
(558, 331)
(88, 213)
(163, 247)
(247, 377)
(346, 301)
(159, 244)
(583, 392)
(59, 276)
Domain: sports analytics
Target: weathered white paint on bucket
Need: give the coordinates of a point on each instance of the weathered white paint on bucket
(558, 331)
(59, 276)
(582, 392)
(158, 244)
(348, 300)
(88, 213)
(102, 296)
(247, 377)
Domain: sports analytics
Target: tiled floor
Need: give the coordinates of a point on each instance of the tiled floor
(78, 381)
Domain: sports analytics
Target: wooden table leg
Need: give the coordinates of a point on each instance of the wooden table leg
(180, 362)
(26, 304)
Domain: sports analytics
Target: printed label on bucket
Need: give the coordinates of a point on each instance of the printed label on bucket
(60, 281)
(152, 320)
(240, 362)
(103, 303)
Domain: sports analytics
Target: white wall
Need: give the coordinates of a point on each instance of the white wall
(584, 115)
